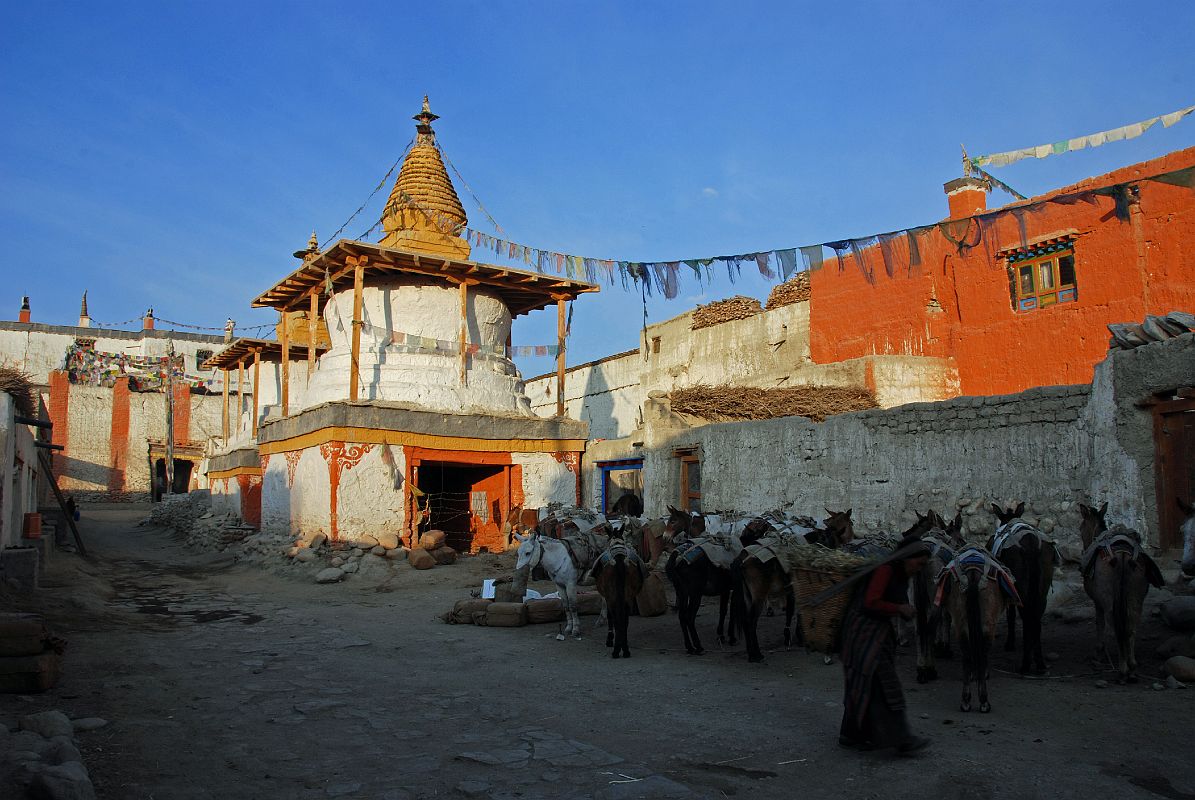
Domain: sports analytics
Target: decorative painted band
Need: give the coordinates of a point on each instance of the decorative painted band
(431, 441)
(232, 473)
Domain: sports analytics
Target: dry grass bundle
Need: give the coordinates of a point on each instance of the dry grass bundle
(721, 403)
(20, 386)
(727, 310)
(793, 290)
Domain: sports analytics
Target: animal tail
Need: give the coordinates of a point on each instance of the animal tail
(1120, 598)
(975, 634)
(1032, 601)
(620, 576)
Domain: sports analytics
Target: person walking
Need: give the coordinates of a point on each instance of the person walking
(874, 705)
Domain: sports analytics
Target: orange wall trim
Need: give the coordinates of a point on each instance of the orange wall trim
(234, 472)
(182, 413)
(118, 440)
(60, 397)
(405, 438)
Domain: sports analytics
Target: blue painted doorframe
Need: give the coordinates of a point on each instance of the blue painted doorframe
(606, 467)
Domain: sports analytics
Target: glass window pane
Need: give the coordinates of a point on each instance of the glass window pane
(1066, 270)
(1026, 283)
(1046, 272)
(694, 477)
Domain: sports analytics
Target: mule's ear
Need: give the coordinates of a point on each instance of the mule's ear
(1085, 511)
(1186, 507)
(1152, 573)
(1020, 508)
(1103, 510)
(521, 537)
(849, 511)
(997, 510)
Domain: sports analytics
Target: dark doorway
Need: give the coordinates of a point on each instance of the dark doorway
(182, 477)
(462, 499)
(1174, 460)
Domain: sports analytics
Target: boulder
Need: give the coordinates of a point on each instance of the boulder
(337, 562)
(388, 540)
(351, 567)
(378, 550)
(431, 540)
(330, 575)
(305, 555)
(318, 541)
(48, 724)
(367, 542)
(1182, 668)
(396, 554)
(421, 559)
(1179, 614)
(89, 723)
(62, 750)
(1181, 644)
(444, 555)
(68, 781)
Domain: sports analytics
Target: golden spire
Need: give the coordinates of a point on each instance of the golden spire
(312, 248)
(423, 212)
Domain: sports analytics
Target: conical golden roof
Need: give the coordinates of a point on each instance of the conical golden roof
(423, 200)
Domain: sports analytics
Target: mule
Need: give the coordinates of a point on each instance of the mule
(619, 573)
(694, 576)
(976, 589)
(1187, 529)
(1117, 575)
(837, 530)
(933, 626)
(538, 550)
(757, 575)
(1031, 557)
(629, 505)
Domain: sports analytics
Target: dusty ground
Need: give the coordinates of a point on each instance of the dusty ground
(224, 682)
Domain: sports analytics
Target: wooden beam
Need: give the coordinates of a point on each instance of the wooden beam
(240, 392)
(312, 327)
(285, 342)
(355, 353)
(560, 317)
(464, 292)
(256, 386)
(224, 418)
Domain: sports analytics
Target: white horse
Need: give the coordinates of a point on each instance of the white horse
(536, 550)
(1187, 529)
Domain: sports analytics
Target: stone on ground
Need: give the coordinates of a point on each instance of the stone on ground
(329, 575)
(317, 541)
(366, 542)
(350, 567)
(378, 550)
(305, 555)
(397, 554)
(421, 559)
(444, 555)
(1181, 644)
(1182, 668)
(68, 781)
(1179, 613)
(48, 724)
(431, 540)
(388, 540)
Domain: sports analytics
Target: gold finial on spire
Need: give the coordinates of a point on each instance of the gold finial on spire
(425, 118)
(312, 248)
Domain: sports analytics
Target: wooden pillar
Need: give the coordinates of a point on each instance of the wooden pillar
(256, 385)
(312, 327)
(355, 355)
(240, 392)
(560, 317)
(464, 291)
(285, 342)
(224, 418)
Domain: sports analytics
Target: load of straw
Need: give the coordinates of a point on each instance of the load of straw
(727, 310)
(793, 290)
(20, 386)
(813, 556)
(726, 403)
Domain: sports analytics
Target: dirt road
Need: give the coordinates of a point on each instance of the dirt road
(222, 681)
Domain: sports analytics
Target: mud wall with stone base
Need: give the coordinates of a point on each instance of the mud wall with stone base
(1050, 447)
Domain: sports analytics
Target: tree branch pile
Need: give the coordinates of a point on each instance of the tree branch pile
(727, 310)
(20, 386)
(730, 403)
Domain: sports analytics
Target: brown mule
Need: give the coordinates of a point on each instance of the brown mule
(619, 574)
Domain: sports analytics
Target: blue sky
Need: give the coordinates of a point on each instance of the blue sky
(174, 154)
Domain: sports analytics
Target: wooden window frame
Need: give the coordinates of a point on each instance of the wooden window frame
(688, 457)
(1041, 263)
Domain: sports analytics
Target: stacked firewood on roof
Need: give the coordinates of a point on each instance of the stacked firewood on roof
(730, 403)
(1128, 335)
(727, 310)
(793, 290)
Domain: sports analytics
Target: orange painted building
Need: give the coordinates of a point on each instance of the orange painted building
(1017, 296)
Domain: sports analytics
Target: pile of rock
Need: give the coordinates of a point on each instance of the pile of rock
(41, 756)
(371, 557)
(728, 310)
(1128, 335)
(432, 551)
